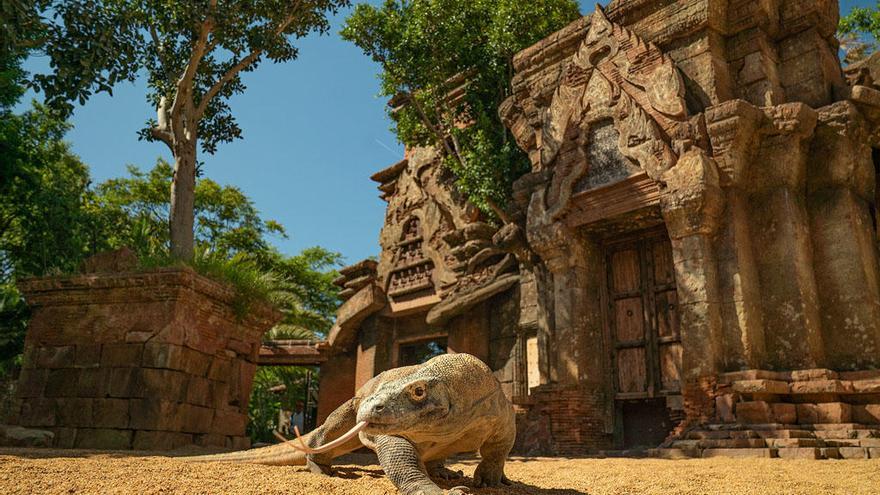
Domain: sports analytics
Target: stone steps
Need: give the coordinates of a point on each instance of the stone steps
(819, 441)
(769, 452)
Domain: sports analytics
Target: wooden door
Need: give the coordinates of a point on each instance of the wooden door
(643, 317)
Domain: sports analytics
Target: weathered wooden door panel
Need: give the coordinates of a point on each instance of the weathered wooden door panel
(643, 317)
(629, 320)
(670, 367)
(625, 271)
(666, 311)
(631, 373)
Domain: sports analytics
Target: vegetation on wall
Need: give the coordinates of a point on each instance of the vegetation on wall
(428, 48)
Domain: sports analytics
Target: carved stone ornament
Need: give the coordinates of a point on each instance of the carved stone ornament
(613, 75)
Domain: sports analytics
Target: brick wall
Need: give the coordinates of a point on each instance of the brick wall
(153, 360)
(562, 420)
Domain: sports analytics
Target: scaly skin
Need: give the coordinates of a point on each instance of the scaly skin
(416, 416)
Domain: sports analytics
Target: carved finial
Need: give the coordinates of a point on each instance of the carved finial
(600, 26)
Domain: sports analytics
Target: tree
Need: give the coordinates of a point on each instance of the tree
(133, 212)
(233, 241)
(193, 53)
(859, 32)
(21, 30)
(431, 49)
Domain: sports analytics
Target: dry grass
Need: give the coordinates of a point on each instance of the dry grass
(53, 472)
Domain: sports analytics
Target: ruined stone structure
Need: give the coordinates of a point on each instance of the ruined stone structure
(693, 258)
(138, 360)
(440, 284)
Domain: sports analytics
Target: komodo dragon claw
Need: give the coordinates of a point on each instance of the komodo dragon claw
(439, 471)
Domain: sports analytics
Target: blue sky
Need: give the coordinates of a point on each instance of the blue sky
(314, 131)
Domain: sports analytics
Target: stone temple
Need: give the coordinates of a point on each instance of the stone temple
(692, 261)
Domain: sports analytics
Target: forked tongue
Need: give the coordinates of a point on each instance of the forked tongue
(302, 447)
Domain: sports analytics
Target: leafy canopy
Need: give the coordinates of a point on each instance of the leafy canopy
(44, 219)
(428, 48)
(193, 52)
(860, 31)
(134, 212)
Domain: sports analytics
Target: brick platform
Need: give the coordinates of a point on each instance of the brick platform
(152, 360)
(813, 413)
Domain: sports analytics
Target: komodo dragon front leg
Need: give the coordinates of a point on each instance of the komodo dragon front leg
(490, 471)
(400, 460)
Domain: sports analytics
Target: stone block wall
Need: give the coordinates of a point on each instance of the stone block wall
(152, 361)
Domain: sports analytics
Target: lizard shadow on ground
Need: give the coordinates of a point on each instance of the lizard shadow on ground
(517, 488)
(356, 472)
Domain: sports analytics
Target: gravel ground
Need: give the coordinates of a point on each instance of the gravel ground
(52, 472)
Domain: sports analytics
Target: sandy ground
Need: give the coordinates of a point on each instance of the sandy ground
(53, 472)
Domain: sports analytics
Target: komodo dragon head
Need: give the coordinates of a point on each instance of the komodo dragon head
(406, 406)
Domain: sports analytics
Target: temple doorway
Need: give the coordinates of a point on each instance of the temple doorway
(642, 321)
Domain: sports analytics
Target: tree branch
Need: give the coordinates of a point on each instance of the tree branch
(438, 135)
(241, 65)
(228, 76)
(183, 96)
(163, 136)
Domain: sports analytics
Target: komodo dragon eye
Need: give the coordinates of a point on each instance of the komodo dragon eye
(418, 391)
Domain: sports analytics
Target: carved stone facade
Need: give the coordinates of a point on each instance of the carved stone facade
(693, 260)
(702, 202)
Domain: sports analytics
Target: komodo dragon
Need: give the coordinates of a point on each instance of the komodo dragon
(413, 417)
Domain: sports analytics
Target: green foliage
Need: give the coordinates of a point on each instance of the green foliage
(860, 31)
(93, 45)
(13, 323)
(134, 212)
(265, 404)
(305, 293)
(427, 48)
(20, 30)
(44, 219)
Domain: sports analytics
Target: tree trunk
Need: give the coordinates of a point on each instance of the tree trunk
(183, 187)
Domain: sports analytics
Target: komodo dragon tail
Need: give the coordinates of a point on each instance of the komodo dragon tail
(281, 454)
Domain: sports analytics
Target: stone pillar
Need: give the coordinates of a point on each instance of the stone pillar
(148, 360)
(691, 208)
(840, 189)
(573, 262)
(781, 239)
(733, 130)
